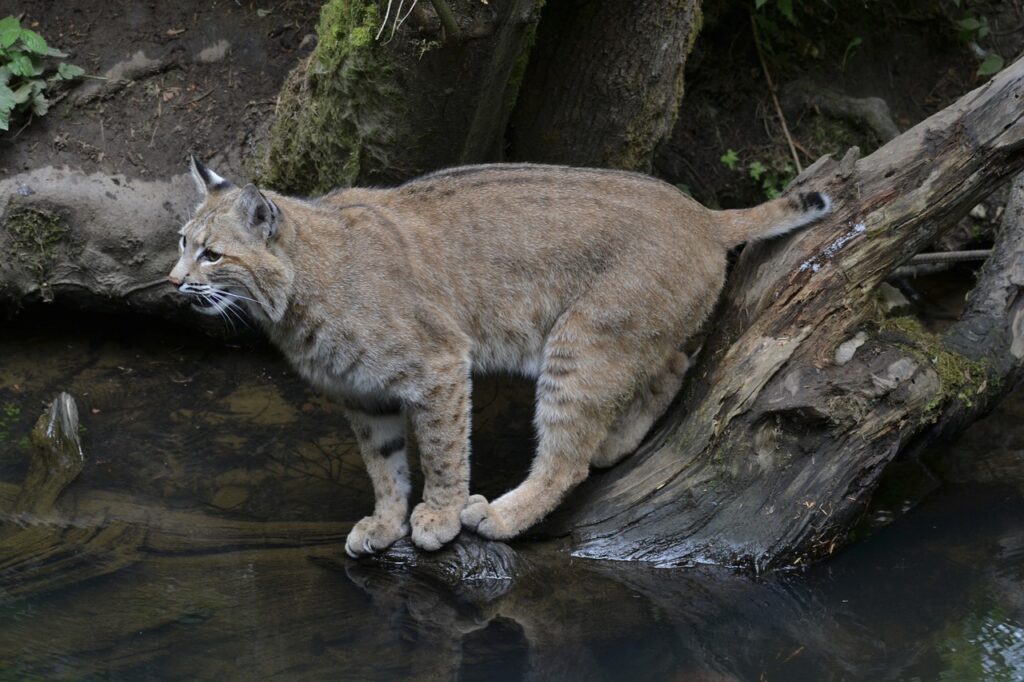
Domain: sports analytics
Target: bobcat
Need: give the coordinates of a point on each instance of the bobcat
(586, 280)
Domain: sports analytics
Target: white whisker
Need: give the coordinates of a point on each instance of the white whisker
(246, 298)
(232, 307)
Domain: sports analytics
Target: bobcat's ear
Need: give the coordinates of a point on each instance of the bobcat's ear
(258, 213)
(206, 180)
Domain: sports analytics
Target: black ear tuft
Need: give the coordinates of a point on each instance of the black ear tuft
(258, 213)
(206, 180)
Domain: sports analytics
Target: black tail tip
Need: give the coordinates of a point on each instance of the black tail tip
(814, 202)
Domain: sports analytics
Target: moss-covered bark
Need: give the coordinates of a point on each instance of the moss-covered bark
(338, 111)
(371, 111)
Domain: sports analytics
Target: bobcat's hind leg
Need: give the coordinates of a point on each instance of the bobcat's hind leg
(629, 429)
(584, 376)
(382, 445)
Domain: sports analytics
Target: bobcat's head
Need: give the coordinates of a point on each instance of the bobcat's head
(230, 254)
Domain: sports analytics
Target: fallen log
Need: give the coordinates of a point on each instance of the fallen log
(802, 394)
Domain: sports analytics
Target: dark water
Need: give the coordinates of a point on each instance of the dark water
(216, 476)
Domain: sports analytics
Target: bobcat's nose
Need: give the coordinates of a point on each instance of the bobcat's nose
(174, 280)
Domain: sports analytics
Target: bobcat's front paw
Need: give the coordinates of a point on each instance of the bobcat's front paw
(432, 528)
(372, 535)
(482, 517)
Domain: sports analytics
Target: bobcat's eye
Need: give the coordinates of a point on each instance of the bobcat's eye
(209, 256)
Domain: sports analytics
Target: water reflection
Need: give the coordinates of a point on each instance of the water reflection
(223, 488)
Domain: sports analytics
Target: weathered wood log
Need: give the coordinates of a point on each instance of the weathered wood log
(472, 569)
(57, 457)
(800, 398)
(37, 552)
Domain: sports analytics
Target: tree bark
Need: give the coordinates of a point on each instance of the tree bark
(604, 82)
(800, 398)
(374, 105)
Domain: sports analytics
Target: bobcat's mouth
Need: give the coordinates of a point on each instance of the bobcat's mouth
(205, 298)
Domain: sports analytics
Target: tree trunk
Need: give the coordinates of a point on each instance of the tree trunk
(368, 110)
(604, 82)
(801, 397)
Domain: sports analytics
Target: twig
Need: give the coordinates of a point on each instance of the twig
(775, 98)
(387, 13)
(202, 96)
(951, 256)
(452, 32)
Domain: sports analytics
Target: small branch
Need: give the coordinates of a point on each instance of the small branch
(951, 256)
(452, 32)
(775, 98)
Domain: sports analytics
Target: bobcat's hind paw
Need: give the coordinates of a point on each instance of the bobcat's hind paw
(432, 528)
(481, 516)
(372, 535)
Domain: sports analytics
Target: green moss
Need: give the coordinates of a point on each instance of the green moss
(960, 377)
(35, 233)
(337, 111)
(647, 128)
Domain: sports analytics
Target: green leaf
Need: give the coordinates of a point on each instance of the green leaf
(993, 64)
(40, 105)
(786, 7)
(22, 94)
(758, 4)
(54, 52)
(5, 75)
(729, 159)
(69, 71)
(10, 31)
(21, 65)
(756, 169)
(33, 42)
(969, 24)
(7, 104)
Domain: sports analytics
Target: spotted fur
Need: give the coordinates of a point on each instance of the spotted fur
(586, 280)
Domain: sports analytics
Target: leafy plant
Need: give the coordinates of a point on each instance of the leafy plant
(991, 64)
(730, 158)
(24, 80)
(772, 177)
(972, 29)
(772, 180)
(851, 47)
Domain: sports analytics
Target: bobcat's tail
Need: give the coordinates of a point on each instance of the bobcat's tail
(770, 219)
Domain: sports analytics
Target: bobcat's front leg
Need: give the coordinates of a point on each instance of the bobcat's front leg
(441, 421)
(382, 444)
